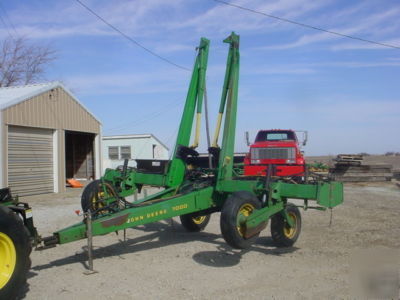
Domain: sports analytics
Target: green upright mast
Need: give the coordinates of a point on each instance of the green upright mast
(194, 98)
(128, 183)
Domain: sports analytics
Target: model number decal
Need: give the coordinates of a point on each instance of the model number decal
(180, 207)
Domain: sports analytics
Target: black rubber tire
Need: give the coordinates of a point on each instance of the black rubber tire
(229, 216)
(11, 225)
(279, 225)
(91, 192)
(193, 222)
(87, 194)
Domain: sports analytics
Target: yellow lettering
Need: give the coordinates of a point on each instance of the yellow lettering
(179, 207)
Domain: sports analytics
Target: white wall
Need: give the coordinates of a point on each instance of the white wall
(141, 148)
(56, 163)
(98, 154)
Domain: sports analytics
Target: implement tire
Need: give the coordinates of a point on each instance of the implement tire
(89, 197)
(94, 197)
(194, 222)
(15, 248)
(237, 207)
(282, 234)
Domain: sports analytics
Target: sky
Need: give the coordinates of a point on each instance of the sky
(344, 92)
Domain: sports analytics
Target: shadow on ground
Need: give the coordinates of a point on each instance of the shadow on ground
(164, 234)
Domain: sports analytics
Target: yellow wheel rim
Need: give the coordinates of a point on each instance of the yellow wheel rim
(97, 199)
(8, 259)
(288, 231)
(199, 220)
(244, 212)
(96, 202)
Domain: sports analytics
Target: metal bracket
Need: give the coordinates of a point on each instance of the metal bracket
(288, 220)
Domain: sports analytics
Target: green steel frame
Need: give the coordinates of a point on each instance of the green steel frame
(203, 194)
(130, 182)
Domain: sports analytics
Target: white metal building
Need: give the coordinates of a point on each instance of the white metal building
(135, 146)
(46, 136)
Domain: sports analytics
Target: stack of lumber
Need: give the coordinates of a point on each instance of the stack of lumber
(349, 159)
(349, 168)
(396, 174)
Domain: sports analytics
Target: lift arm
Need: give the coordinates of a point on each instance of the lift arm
(229, 100)
(127, 182)
(194, 98)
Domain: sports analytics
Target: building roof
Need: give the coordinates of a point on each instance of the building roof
(13, 95)
(133, 136)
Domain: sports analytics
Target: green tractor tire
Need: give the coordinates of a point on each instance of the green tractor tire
(15, 248)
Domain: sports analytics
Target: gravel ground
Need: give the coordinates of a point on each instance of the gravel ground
(162, 260)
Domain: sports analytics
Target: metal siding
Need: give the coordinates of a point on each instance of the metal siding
(55, 161)
(30, 160)
(61, 160)
(141, 148)
(97, 159)
(52, 109)
(5, 152)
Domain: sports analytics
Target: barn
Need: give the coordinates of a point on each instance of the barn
(46, 137)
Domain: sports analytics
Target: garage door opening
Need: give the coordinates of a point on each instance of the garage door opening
(79, 155)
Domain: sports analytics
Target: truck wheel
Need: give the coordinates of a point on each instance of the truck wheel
(193, 222)
(95, 194)
(14, 252)
(237, 207)
(282, 234)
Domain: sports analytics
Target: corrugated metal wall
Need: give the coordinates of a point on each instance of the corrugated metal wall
(52, 109)
(30, 160)
(55, 110)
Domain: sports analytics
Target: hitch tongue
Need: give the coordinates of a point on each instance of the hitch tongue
(48, 242)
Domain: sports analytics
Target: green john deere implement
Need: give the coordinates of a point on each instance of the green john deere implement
(246, 203)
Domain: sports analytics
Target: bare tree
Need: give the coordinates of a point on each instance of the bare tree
(22, 62)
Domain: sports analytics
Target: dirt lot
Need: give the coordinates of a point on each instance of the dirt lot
(161, 260)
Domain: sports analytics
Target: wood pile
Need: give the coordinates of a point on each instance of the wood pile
(396, 174)
(349, 168)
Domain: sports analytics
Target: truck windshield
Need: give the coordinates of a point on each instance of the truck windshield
(263, 136)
